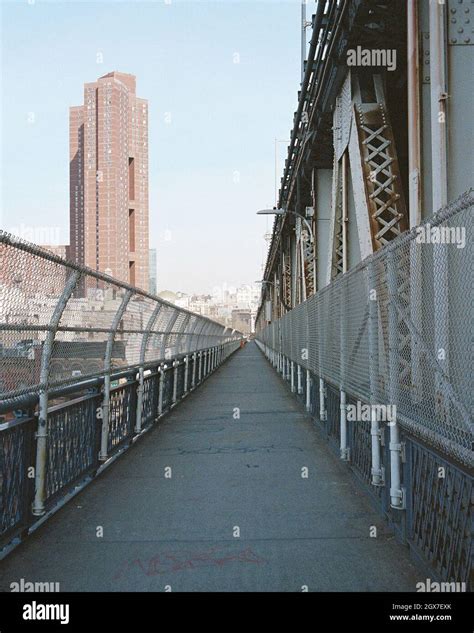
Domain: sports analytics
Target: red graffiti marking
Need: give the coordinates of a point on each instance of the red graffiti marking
(179, 561)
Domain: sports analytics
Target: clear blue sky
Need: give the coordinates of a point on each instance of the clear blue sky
(211, 165)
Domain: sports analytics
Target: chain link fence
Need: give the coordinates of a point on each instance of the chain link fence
(61, 323)
(397, 330)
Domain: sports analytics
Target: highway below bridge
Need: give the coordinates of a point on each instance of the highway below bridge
(234, 490)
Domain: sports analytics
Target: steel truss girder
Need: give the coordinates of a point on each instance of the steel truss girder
(336, 261)
(377, 165)
(286, 270)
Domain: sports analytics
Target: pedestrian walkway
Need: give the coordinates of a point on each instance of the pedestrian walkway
(213, 499)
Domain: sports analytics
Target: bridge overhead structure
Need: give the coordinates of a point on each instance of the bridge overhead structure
(374, 305)
(88, 364)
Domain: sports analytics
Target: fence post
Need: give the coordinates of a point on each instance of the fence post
(397, 495)
(193, 378)
(140, 389)
(308, 390)
(372, 298)
(166, 335)
(292, 376)
(186, 372)
(323, 414)
(322, 389)
(175, 381)
(299, 384)
(107, 365)
(161, 373)
(194, 342)
(342, 314)
(38, 508)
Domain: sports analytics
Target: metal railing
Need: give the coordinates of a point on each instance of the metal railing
(87, 364)
(395, 334)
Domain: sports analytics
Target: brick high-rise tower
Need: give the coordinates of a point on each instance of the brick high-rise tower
(109, 179)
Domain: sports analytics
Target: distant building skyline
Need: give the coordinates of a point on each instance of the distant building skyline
(229, 306)
(108, 145)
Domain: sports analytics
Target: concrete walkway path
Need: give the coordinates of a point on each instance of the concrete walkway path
(235, 515)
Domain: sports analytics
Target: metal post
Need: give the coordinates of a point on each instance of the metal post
(161, 373)
(303, 37)
(205, 336)
(182, 334)
(438, 103)
(193, 379)
(345, 219)
(200, 367)
(299, 385)
(186, 372)
(322, 389)
(292, 376)
(377, 472)
(38, 507)
(322, 401)
(197, 335)
(169, 327)
(440, 187)
(107, 365)
(397, 497)
(414, 128)
(140, 388)
(175, 381)
(308, 390)
(344, 447)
